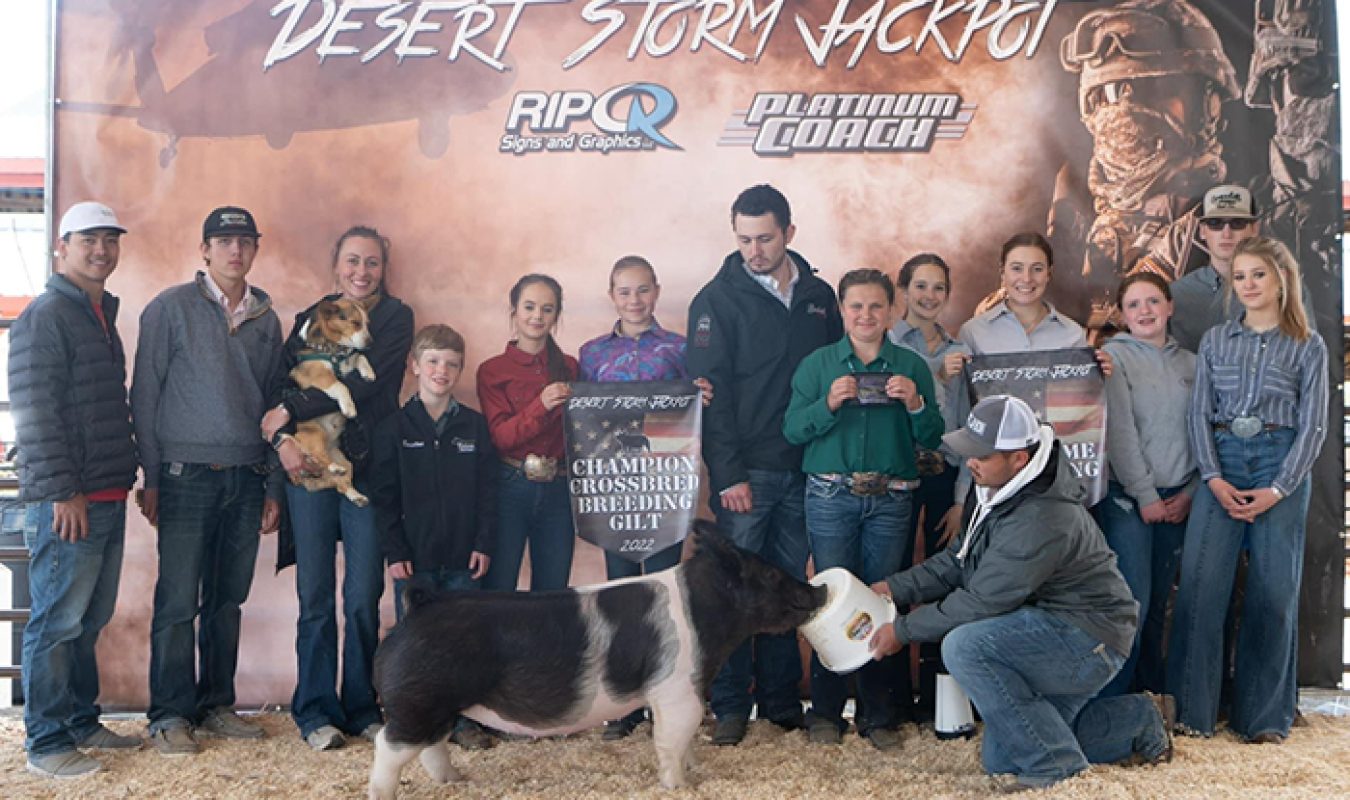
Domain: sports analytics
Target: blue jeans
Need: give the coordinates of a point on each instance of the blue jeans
(73, 586)
(1265, 683)
(320, 520)
(208, 544)
(774, 528)
(445, 579)
(1148, 555)
(538, 513)
(866, 536)
(933, 498)
(1033, 678)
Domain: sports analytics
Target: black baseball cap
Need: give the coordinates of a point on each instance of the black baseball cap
(229, 221)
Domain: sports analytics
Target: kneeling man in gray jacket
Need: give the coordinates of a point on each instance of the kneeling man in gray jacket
(1033, 616)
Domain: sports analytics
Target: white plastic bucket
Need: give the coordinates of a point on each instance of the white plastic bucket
(841, 630)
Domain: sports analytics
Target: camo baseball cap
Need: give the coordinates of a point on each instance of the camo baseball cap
(1228, 202)
(1000, 423)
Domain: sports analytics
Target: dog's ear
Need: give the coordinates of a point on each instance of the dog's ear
(314, 333)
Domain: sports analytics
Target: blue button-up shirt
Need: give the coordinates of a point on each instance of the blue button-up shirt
(1240, 373)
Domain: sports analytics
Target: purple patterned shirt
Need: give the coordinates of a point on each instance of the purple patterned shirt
(655, 355)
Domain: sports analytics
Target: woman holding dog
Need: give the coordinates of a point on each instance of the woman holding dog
(522, 392)
(320, 520)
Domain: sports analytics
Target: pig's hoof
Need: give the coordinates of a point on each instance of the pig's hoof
(436, 761)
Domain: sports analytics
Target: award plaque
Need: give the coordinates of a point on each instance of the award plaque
(872, 389)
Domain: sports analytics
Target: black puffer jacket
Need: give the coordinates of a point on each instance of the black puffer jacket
(68, 393)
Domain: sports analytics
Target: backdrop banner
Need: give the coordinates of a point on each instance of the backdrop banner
(1066, 389)
(492, 138)
(633, 463)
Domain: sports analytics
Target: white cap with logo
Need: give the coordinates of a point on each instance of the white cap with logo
(88, 216)
(999, 423)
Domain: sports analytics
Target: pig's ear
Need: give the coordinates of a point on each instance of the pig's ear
(708, 540)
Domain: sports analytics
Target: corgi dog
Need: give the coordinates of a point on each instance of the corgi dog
(334, 335)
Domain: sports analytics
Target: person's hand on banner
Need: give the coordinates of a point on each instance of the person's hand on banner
(844, 388)
(899, 387)
(1105, 362)
(400, 570)
(737, 498)
(554, 394)
(1178, 508)
(951, 365)
(950, 526)
(478, 564)
(1154, 512)
(705, 388)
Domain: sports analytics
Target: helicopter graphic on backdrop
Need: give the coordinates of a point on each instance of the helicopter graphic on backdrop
(231, 95)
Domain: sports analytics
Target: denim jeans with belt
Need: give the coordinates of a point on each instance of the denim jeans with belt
(320, 520)
(73, 586)
(1148, 554)
(1265, 683)
(775, 529)
(537, 512)
(208, 545)
(866, 536)
(1033, 677)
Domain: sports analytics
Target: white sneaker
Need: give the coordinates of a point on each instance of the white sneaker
(325, 737)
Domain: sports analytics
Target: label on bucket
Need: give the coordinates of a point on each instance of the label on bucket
(860, 627)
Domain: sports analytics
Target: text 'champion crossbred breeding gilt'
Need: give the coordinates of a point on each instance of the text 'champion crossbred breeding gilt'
(334, 336)
(553, 663)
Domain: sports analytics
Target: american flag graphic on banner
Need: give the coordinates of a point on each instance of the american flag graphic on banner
(633, 455)
(1067, 390)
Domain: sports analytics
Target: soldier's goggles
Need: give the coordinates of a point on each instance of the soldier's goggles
(1100, 34)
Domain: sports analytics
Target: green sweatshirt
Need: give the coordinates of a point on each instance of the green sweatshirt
(860, 438)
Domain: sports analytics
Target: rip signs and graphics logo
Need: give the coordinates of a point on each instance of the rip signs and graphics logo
(628, 117)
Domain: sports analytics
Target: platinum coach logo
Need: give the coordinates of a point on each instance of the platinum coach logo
(628, 117)
(782, 124)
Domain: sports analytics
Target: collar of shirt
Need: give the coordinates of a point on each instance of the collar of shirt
(654, 330)
(886, 356)
(902, 330)
(770, 284)
(523, 358)
(236, 315)
(1051, 313)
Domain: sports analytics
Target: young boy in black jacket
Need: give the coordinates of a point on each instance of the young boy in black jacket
(434, 485)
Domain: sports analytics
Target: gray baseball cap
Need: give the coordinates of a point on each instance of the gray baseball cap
(1000, 423)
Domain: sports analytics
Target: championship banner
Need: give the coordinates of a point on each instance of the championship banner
(1067, 390)
(633, 461)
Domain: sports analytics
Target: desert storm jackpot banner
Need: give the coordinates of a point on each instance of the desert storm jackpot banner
(494, 138)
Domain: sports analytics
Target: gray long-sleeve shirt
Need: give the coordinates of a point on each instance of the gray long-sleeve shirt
(1147, 397)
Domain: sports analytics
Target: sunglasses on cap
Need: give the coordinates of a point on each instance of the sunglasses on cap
(1235, 224)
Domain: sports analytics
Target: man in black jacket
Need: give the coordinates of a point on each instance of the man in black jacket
(67, 382)
(749, 328)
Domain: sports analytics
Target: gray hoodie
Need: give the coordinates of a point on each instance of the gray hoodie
(1147, 398)
(1038, 547)
(200, 389)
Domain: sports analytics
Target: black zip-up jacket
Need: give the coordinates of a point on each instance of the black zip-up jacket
(68, 393)
(391, 335)
(435, 497)
(748, 344)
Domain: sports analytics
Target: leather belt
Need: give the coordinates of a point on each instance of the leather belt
(869, 484)
(540, 469)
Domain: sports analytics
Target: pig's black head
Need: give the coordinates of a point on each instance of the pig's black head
(759, 596)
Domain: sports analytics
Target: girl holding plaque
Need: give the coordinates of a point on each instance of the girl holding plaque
(860, 407)
(1152, 471)
(522, 392)
(1257, 422)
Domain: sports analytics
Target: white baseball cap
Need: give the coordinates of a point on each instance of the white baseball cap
(88, 216)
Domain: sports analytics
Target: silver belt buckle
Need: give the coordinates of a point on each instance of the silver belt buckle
(1246, 427)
